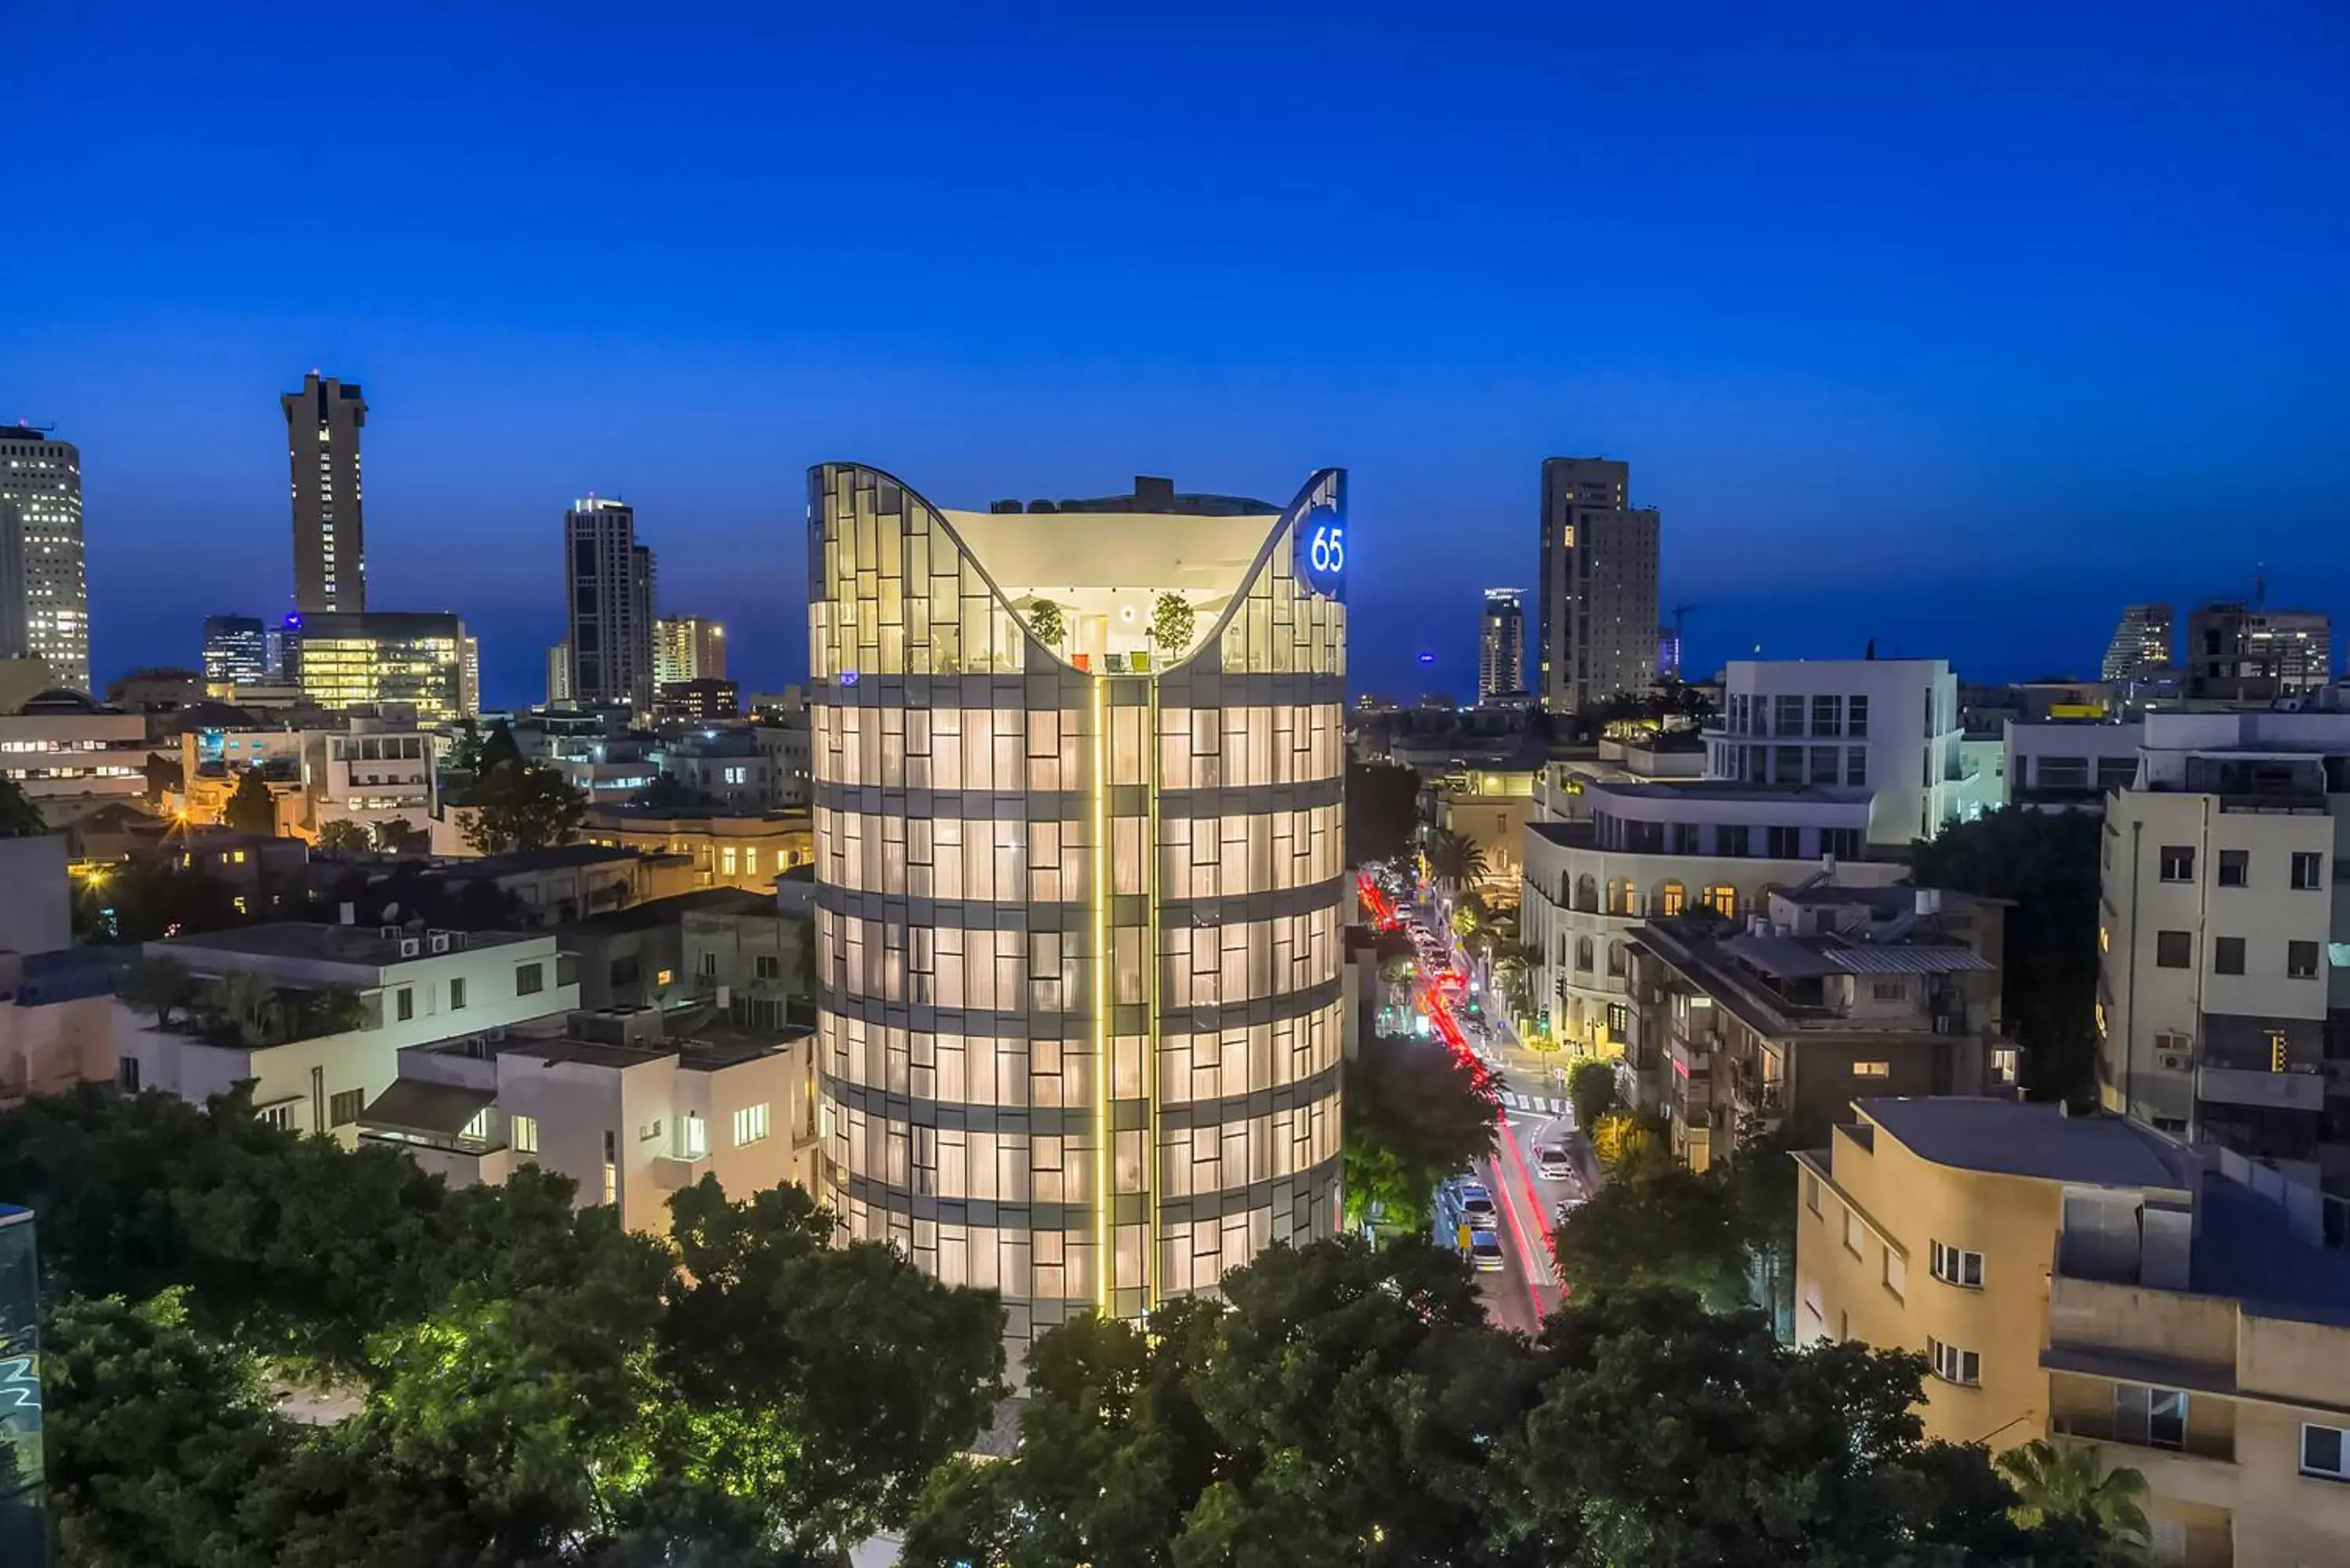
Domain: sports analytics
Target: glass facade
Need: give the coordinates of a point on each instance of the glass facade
(23, 1529)
(352, 661)
(1078, 899)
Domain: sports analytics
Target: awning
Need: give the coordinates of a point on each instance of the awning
(412, 1105)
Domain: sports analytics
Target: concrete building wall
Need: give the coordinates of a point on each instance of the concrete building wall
(1797, 721)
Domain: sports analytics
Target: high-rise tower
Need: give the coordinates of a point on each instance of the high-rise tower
(322, 442)
(44, 585)
(1501, 646)
(610, 581)
(1598, 584)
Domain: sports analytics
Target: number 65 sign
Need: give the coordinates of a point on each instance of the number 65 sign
(1317, 522)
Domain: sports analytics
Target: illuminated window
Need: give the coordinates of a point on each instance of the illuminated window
(665, 977)
(523, 1134)
(1723, 900)
(750, 1125)
(1670, 899)
(1871, 1069)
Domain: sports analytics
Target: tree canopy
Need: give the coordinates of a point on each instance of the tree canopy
(521, 807)
(19, 817)
(345, 834)
(1416, 1113)
(2045, 864)
(1591, 1090)
(251, 807)
(1382, 811)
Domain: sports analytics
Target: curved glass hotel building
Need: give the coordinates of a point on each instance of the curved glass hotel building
(1080, 882)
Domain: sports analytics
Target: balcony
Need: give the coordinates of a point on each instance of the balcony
(2204, 1471)
(2301, 1090)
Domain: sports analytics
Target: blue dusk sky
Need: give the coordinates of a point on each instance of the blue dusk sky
(1952, 328)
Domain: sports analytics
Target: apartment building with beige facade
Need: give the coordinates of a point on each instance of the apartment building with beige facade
(2090, 1281)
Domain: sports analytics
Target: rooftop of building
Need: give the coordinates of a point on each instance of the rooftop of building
(2245, 1247)
(2012, 1137)
(322, 943)
(1733, 790)
(554, 857)
(1150, 494)
(701, 1037)
(694, 816)
(656, 912)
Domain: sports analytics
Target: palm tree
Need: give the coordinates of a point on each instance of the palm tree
(1455, 859)
(2063, 1483)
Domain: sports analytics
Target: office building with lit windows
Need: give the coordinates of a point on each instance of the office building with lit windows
(236, 652)
(43, 583)
(1501, 646)
(1598, 594)
(610, 594)
(2141, 642)
(343, 662)
(688, 648)
(323, 421)
(1080, 882)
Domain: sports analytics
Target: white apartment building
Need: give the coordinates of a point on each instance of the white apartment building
(70, 755)
(790, 766)
(1651, 851)
(631, 1103)
(728, 769)
(366, 769)
(1890, 726)
(2063, 765)
(2224, 981)
(418, 988)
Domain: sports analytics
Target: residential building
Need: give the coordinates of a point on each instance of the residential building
(43, 582)
(236, 652)
(346, 662)
(1489, 807)
(783, 739)
(157, 689)
(1827, 990)
(754, 957)
(2244, 653)
(411, 988)
(635, 957)
(1652, 850)
(71, 754)
(2086, 1280)
(610, 602)
(702, 701)
(1890, 726)
(725, 768)
(2224, 977)
(571, 881)
(1502, 644)
(1668, 652)
(2141, 643)
(2068, 764)
(726, 848)
(36, 898)
(631, 1103)
(323, 421)
(1119, 1029)
(558, 675)
(688, 648)
(1598, 593)
(57, 1021)
(25, 1523)
(469, 690)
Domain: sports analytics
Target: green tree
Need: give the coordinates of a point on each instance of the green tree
(243, 1007)
(1628, 1141)
(2045, 864)
(465, 746)
(345, 834)
(521, 807)
(1454, 858)
(1415, 1115)
(1591, 1090)
(159, 985)
(1172, 622)
(251, 807)
(2055, 1483)
(19, 817)
(163, 773)
(1657, 1224)
(1046, 623)
(498, 749)
(1382, 812)
(398, 836)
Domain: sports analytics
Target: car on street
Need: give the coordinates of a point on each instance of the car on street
(1485, 1252)
(1476, 1204)
(1550, 1162)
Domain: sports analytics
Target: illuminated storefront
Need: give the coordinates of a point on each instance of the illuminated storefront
(1081, 880)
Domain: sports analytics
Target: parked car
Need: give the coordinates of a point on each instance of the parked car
(1550, 1162)
(1485, 1252)
(1476, 1204)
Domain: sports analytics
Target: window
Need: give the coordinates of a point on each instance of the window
(2178, 863)
(710, 964)
(2300, 961)
(1954, 1267)
(530, 979)
(126, 1074)
(2155, 1417)
(1620, 1021)
(2235, 868)
(1871, 1069)
(406, 1001)
(692, 1136)
(1582, 959)
(1733, 841)
(1671, 899)
(1889, 989)
(523, 1133)
(1811, 1192)
(343, 1109)
(1782, 843)
(1896, 1272)
(1844, 843)
(2321, 1452)
(2228, 955)
(477, 1125)
(1953, 1364)
(2174, 949)
(456, 992)
(1855, 765)
(278, 1116)
(750, 1125)
(767, 966)
(2308, 870)
(1855, 1234)
(1856, 718)
(1788, 716)
(1827, 719)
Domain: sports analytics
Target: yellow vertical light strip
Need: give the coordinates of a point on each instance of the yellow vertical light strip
(1104, 1253)
(1150, 981)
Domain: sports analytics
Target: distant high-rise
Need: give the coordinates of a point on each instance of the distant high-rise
(1502, 644)
(1598, 631)
(469, 696)
(1668, 652)
(688, 648)
(2240, 653)
(322, 444)
(44, 586)
(2141, 642)
(558, 675)
(610, 579)
(236, 650)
